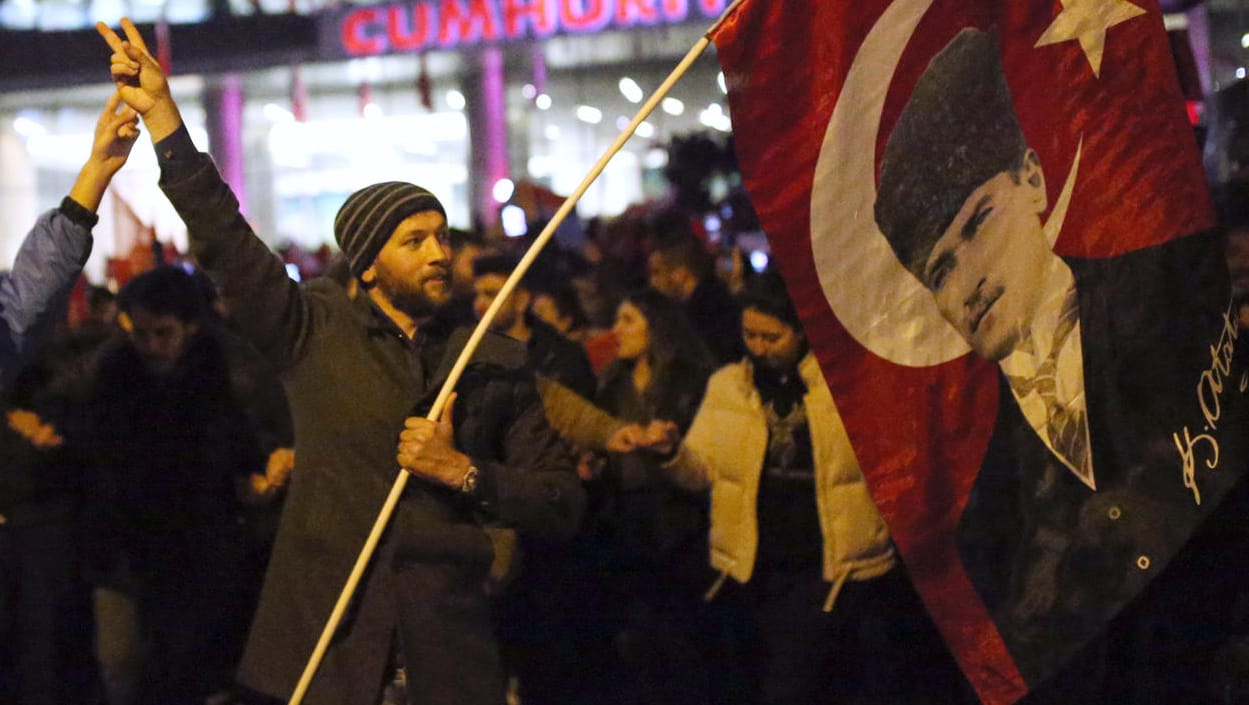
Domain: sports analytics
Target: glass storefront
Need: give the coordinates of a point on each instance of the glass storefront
(364, 120)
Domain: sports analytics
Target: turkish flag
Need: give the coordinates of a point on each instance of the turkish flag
(1042, 434)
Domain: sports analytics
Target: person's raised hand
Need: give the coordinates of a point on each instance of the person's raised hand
(115, 133)
(140, 80)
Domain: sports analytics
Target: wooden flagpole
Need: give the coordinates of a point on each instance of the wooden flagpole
(435, 412)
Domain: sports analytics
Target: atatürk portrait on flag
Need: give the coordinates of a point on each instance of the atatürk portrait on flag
(992, 218)
(1080, 491)
(960, 201)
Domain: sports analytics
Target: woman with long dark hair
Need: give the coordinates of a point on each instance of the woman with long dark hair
(651, 537)
(661, 367)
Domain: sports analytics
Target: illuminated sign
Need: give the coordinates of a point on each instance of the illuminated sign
(443, 24)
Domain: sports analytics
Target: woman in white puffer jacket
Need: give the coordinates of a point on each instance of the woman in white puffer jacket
(831, 613)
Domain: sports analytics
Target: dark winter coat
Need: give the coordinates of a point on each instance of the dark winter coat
(352, 377)
(162, 456)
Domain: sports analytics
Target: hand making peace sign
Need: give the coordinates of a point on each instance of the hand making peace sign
(140, 81)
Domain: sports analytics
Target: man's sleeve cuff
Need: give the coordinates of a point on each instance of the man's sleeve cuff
(78, 213)
(485, 496)
(176, 155)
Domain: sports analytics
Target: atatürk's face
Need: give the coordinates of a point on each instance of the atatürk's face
(986, 270)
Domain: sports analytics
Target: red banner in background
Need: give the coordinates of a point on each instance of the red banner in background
(135, 247)
(1025, 427)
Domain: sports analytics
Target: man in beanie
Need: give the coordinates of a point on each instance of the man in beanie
(1081, 499)
(357, 371)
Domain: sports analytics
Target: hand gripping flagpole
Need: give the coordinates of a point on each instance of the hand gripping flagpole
(435, 412)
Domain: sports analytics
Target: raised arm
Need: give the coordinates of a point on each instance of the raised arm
(34, 294)
(115, 133)
(269, 307)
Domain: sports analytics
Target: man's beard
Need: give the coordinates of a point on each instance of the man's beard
(408, 296)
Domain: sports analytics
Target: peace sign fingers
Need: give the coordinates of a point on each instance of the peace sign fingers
(114, 42)
(138, 76)
(140, 80)
(123, 68)
(133, 36)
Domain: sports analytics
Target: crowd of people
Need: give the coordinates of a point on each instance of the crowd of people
(155, 447)
(641, 491)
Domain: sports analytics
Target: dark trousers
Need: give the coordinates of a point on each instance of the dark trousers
(446, 637)
(877, 645)
(160, 650)
(45, 617)
(164, 614)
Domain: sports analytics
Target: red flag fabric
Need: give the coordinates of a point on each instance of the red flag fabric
(129, 231)
(992, 218)
(136, 248)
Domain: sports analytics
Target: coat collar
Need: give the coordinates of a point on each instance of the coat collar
(808, 370)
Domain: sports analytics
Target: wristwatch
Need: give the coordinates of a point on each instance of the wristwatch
(469, 483)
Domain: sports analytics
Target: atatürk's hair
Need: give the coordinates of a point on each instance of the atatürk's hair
(958, 130)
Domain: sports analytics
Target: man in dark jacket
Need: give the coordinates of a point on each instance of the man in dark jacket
(354, 371)
(165, 442)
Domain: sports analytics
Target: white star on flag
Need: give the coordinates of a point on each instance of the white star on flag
(1087, 22)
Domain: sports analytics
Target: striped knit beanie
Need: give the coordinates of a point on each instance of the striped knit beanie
(369, 217)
